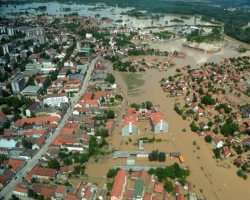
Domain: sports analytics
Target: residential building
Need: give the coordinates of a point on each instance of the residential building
(37, 121)
(217, 142)
(3, 119)
(32, 108)
(119, 185)
(41, 173)
(45, 191)
(139, 189)
(32, 66)
(34, 32)
(159, 122)
(88, 193)
(15, 164)
(18, 84)
(226, 151)
(60, 192)
(142, 174)
(159, 188)
(20, 191)
(129, 126)
(55, 99)
(6, 177)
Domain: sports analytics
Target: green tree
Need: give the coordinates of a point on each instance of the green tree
(169, 186)
(208, 138)
(30, 193)
(161, 157)
(112, 173)
(110, 78)
(31, 81)
(110, 114)
(54, 164)
(216, 152)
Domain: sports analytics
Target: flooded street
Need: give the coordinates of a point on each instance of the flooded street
(205, 174)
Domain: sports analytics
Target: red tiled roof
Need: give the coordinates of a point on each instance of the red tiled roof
(69, 168)
(147, 196)
(60, 189)
(16, 164)
(158, 117)
(37, 120)
(159, 188)
(41, 172)
(130, 194)
(118, 184)
(34, 105)
(21, 190)
(87, 193)
(70, 196)
(46, 192)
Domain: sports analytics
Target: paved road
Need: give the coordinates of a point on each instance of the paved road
(7, 191)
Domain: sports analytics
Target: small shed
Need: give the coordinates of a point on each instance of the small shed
(175, 154)
(130, 161)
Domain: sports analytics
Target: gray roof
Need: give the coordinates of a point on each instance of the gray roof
(32, 88)
(30, 72)
(125, 154)
(137, 168)
(175, 154)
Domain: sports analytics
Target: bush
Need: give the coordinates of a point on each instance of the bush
(184, 130)
(194, 142)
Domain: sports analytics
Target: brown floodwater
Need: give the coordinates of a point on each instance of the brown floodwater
(214, 182)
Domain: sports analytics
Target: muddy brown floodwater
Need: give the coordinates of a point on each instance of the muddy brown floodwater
(216, 183)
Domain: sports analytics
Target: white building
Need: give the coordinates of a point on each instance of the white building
(217, 142)
(55, 99)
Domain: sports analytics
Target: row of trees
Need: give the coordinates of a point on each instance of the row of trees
(156, 155)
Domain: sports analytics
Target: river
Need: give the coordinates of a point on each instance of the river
(56, 9)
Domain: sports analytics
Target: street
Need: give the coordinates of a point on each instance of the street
(7, 190)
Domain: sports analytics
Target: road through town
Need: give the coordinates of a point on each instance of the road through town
(7, 190)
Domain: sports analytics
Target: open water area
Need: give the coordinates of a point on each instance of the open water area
(56, 9)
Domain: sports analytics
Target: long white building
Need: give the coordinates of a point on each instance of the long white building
(55, 99)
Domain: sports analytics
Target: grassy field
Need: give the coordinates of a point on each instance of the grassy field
(133, 81)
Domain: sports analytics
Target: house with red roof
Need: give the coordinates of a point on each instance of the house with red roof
(159, 122)
(147, 196)
(119, 185)
(180, 197)
(3, 119)
(159, 188)
(20, 191)
(129, 126)
(32, 108)
(88, 193)
(142, 174)
(129, 195)
(69, 168)
(226, 151)
(110, 126)
(45, 191)
(40, 142)
(70, 196)
(60, 192)
(15, 164)
(38, 121)
(41, 173)
(217, 142)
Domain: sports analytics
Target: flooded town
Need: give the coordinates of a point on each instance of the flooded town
(98, 103)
